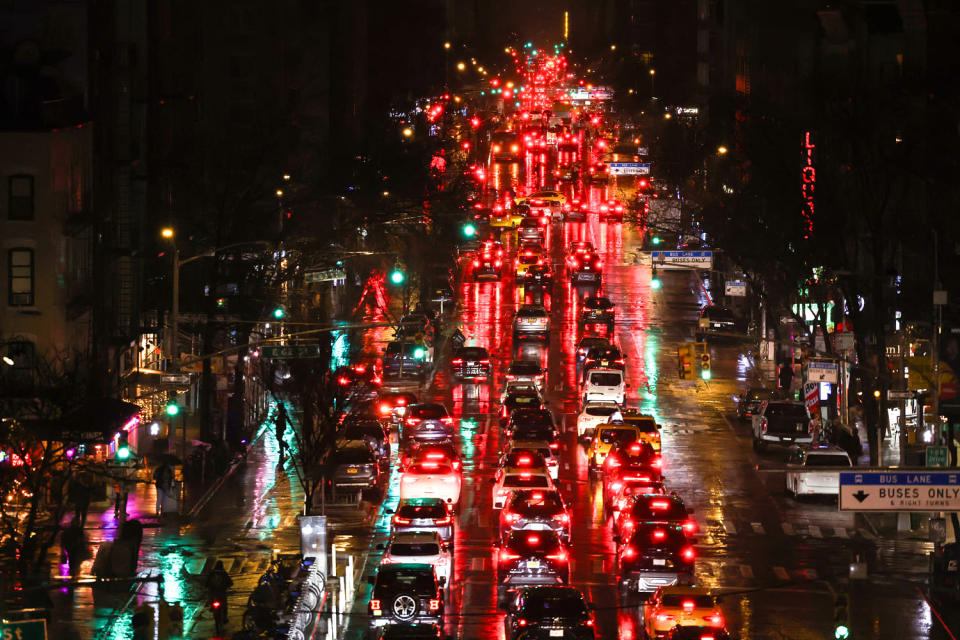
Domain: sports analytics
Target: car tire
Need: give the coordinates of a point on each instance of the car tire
(404, 598)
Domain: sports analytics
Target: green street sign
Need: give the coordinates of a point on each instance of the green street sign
(291, 351)
(937, 456)
(24, 630)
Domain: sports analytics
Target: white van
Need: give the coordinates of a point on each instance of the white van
(604, 384)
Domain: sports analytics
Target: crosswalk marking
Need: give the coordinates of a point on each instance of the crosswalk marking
(746, 571)
(814, 531)
(757, 527)
(787, 528)
(781, 573)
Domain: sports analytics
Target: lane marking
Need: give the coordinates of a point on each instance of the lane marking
(781, 573)
(757, 527)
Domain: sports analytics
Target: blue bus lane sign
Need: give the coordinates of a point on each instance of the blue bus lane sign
(923, 491)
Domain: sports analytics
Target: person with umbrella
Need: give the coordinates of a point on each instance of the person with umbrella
(163, 478)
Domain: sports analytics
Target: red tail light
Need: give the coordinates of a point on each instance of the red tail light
(689, 526)
(657, 462)
(385, 408)
(688, 554)
(217, 604)
(434, 605)
(559, 556)
(485, 361)
(554, 445)
(665, 617)
(443, 521)
(659, 534)
(511, 516)
(375, 605)
(457, 361)
(399, 520)
(562, 518)
(413, 421)
(688, 605)
(660, 504)
(446, 420)
(507, 556)
(521, 622)
(716, 620)
(629, 552)
(615, 486)
(476, 263)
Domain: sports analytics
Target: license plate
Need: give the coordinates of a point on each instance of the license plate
(533, 564)
(352, 470)
(659, 562)
(537, 526)
(587, 276)
(556, 633)
(471, 364)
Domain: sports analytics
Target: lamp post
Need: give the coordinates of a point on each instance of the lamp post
(653, 77)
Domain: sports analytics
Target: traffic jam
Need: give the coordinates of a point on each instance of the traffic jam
(530, 494)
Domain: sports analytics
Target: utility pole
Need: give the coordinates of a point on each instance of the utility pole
(939, 299)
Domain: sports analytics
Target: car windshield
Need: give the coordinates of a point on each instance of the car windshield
(646, 424)
(524, 457)
(536, 432)
(590, 343)
(597, 303)
(428, 411)
(430, 467)
(414, 548)
(401, 578)
(409, 348)
(676, 600)
(361, 431)
(525, 368)
(659, 508)
(606, 379)
(618, 436)
(544, 194)
(530, 222)
(531, 313)
(353, 455)
(472, 353)
(602, 410)
(537, 499)
(792, 411)
(526, 481)
(433, 509)
(827, 460)
(539, 605)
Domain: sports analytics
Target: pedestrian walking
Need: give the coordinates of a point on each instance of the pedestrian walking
(80, 496)
(281, 429)
(163, 478)
(74, 545)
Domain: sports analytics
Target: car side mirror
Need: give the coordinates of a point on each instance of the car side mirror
(371, 579)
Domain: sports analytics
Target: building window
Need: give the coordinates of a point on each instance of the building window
(21, 198)
(20, 277)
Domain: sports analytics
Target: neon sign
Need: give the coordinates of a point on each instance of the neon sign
(808, 184)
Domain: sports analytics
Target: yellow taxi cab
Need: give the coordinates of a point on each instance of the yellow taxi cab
(545, 196)
(503, 217)
(675, 606)
(649, 429)
(606, 436)
(527, 256)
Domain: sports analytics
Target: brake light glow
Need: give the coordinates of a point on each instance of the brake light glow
(444, 520)
(688, 554)
(399, 520)
(688, 605)
(511, 516)
(430, 465)
(716, 620)
(385, 408)
(554, 445)
(413, 421)
(436, 455)
(524, 460)
(507, 556)
(434, 605)
(659, 534)
(664, 617)
(629, 552)
(375, 605)
(457, 361)
(476, 263)
(660, 504)
(689, 526)
(533, 539)
(562, 518)
(657, 462)
(526, 476)
(559, 556)
(446, 420)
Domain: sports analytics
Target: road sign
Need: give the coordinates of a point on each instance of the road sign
(629, 168)
(811, 396)
(643, 151)
(937, 456)
(735, 288)
(898, 394)
(698, 259)
(24, 630)
(325, 275)
(900, 491)
(822, 371)
(291, 351)
(175, 380)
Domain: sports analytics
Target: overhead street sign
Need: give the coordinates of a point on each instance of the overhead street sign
(325, 275)
(822, 371)
(937, 456)
(923, 491)
(629, 168)
(735, 288)
(898, 394)
(698, 259)
(24, 630)
(291, 351)
(175, 379)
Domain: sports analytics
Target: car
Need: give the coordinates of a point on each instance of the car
(565, 173)
(579, 247)
(371, 432)
(698, 633)
(509, 482)
(782, 422)
(611, 210)
(355, 465)
(411, 632)
(576, 211)
(548, 451)
(548, 612)
(802, 480)
(606, 436)
(470, 363)
(586, 268)
(531, 321)
(654, 555)
(568, 142)
(604, 384)
(750, 400)
(419, 546)
(583, 347)
(606, 357)
(536, 432)
(621, 496)
(494, 247)
(428, 422)
(512, 386)
(552, 197)
(668, 509)
(598, 173)
(486, 264)
(504, 217)
(394, 405)
(529, 255)
(592, 414)
(530, 230)
(538, 275)
(518, 400)
(519, 459)
(405, 592)
(523, 421)
(597, 310)
(535, 510)
(423, 514)
(717, 322)
(649, 429)
(635, 460)
(506, 146)
(682, 606)
(525, 371)
(532, 557)
(404, 359)
(431, 451)
(431, 479)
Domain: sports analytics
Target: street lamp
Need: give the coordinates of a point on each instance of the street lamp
(722, 150)
(461, 66)
(653, 76)
(446, 45)
(407, 132)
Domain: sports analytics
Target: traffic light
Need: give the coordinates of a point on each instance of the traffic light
(469, 230)
(655, 241)
(171, 409)
(278, 313)
(419, 353)
(705, 366)
(123, 447)
(654, 280)
(841, 616)
(397, 276)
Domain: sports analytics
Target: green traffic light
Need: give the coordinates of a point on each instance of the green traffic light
(705, 374)
(123, 453)
(419, 353)
(655, 283)
(655, 240)
(469, 230)
(278, 313)
(841, 632)
(172, 409)
(396, 277)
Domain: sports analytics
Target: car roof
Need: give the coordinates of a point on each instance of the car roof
(415, 536)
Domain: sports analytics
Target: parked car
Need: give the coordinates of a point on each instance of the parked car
(782, 422)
